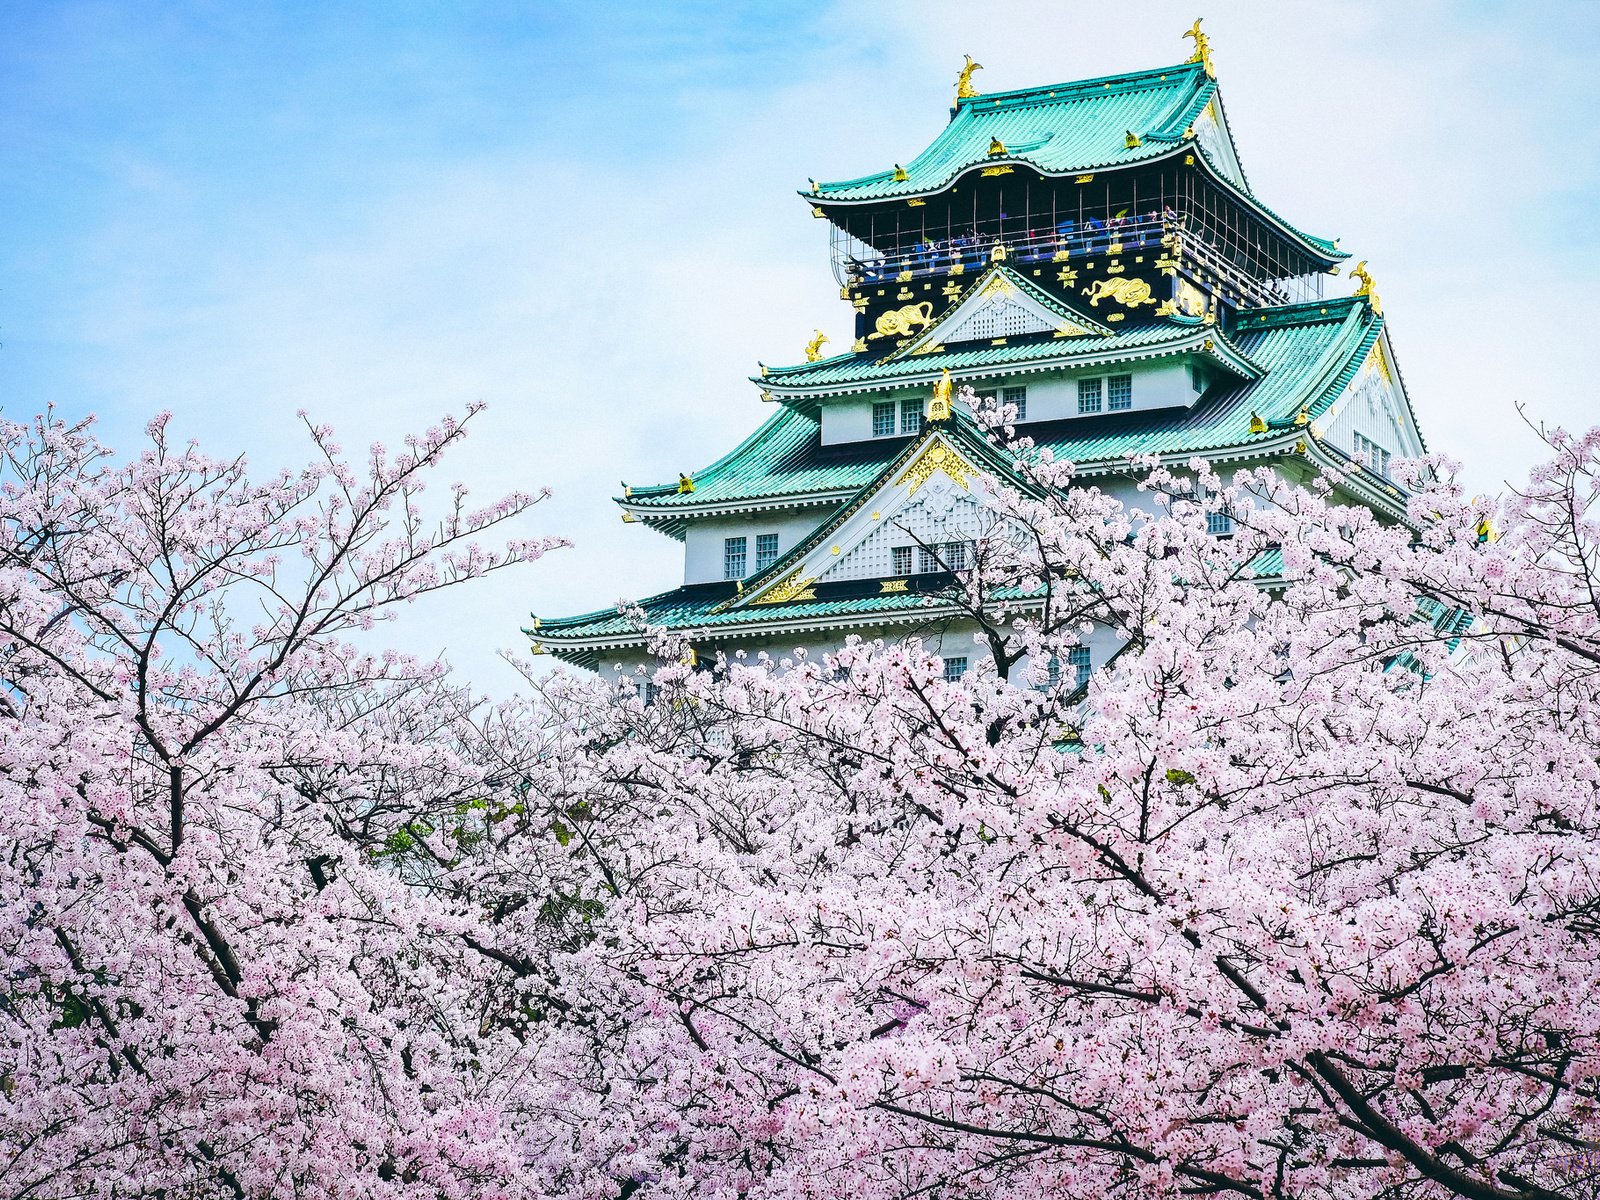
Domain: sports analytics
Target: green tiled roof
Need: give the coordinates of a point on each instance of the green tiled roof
(846, 370)
(1267, 565)
(1306, 354)
(1063, 129)
(785, 457)
(696, 607)
(1060, 129)
(1309, 353)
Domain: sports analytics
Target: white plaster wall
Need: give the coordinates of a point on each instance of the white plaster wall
(850, 419)
(1373, 407)
(702, 542)
(1052, 396)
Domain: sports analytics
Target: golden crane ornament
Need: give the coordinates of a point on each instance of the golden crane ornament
(964, 88)
(1364, 278)
(1202, 47)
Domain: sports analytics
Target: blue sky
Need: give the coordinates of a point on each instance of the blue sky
(585, 216)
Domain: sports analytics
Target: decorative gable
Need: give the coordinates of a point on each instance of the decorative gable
(940, 514)
(1211, 132)
(930, 498)
(1001, 305)
(1373, 410)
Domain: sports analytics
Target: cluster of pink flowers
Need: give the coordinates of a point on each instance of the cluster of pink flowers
(1302, 900)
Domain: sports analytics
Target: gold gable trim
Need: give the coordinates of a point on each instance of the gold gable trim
(935, 456)
(792, 587)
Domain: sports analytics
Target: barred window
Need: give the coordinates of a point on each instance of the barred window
(911, 416)
(955, 668)
(883, 419)
(955, 556)
(902, 560)
(1219, 523)
(733, 555)
(1088, 395)
(1017, 396)
(766, 550)
(928, 560)
(1078, 660)
(1377, 457)
(1119, 392)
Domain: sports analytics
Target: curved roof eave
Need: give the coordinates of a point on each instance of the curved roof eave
(1208, 340)
(1322, 248)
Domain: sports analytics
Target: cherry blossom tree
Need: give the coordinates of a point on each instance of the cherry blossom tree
(1302, 901)
(242, 949)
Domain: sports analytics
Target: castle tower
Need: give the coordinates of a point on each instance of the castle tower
(1090, 252)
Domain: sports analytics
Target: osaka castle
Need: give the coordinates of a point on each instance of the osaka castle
(1091, 252)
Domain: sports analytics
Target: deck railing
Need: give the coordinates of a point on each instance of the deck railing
(858, 265)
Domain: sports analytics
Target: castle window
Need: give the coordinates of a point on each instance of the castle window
(911, 416)
(1017, 396)
(928, 560)
(1377, 457)
(902, 560)
(1078, 660)
(733, 556)
(955, 556)
(1119, 392)
(955, 668)
(1219, 521)
(1088, 396)
(883, 419)
(766, 550)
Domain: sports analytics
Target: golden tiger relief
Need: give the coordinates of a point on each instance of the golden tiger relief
(898, 322)
(1128, 292)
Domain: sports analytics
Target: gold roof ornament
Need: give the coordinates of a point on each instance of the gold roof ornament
(1202, 47)
(1257, 425)
(998, 254)
(900, 175)
(814, 346)
(1303, 417)
(997, 147)
(685, 484)
(939, 407)
(1132, 141)
(964, 88)
(1367, 288)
